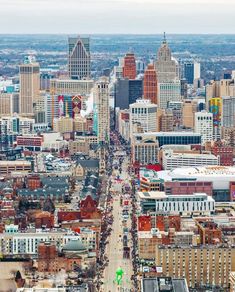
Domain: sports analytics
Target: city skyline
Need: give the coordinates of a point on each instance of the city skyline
(131, 16)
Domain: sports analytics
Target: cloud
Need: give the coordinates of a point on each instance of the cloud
(116, 16)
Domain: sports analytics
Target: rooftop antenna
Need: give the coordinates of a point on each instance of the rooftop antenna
(164, 37)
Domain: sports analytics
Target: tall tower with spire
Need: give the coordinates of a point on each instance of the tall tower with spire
(166, 66)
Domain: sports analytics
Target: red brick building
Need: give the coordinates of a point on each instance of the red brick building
(129, 66)
(34, 182)
(224, 152)
(209, 232)
(163, 223)
(150, 84)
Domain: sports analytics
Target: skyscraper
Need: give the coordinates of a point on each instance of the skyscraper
(127, 92)
(167, 68)
(129, 66)
(29, 85)
(228, 111)
(143, 114)
(79, 60)
(204, 125)
(102, 112)
(192, 71)
(168, 91)
(150, 84)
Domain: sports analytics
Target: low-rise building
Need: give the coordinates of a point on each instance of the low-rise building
(181, 204)
(171, 160)
(7, 167)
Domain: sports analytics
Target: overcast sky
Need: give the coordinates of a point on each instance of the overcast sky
(117, 16)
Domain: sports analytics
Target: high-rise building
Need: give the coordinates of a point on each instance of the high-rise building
(79, 59)
(166, 121)
(188, 113)
(144, 114)
(204, 125)
(228, 111)
(127, 92)
(192, 71)
(129, 66)
(166, 67)
(150, 84)
(215, 107)
(102, 111)
(29, 85)
(168, 91)
(5, 104)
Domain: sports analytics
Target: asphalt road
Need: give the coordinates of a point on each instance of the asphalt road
(114, 249)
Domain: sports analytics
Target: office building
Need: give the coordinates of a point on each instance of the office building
(203, 265)
(29, 85)
(144, 151)
(171, 160)
(144, 114)
(204, 125)
(79, 59)
(168, 91)
(166, 121)
(7, 167)
(159, 202)
(63, 125)
(188, 113)
(170, 138)
(192, 71)
(166, 67)
(221, 178)
(150, 84)
(102, 111)
(127, 92)
(228, 111)
(6, 104)
(183, 88)
(129, 66)
(177, 110)
(70, 87)
(140, 66)
(228, 135)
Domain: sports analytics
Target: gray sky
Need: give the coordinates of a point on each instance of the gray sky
(117, 16)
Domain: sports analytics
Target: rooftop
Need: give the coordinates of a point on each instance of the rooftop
(164, 284)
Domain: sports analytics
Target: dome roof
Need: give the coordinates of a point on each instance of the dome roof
(74, 245)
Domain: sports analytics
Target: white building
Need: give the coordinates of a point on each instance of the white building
(220, 176)
(144, 114)
(203, 124)
(198, 203)
(168, 91)
(171, 160)
(22, 243)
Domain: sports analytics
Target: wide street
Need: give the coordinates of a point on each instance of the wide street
(114, 249)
